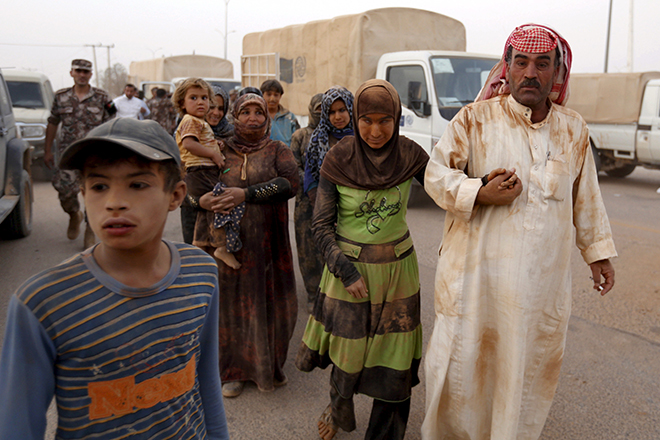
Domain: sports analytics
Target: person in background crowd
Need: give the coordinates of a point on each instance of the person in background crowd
(503, 282)
(79, 109)
(258, 305)
(222, 129)
(162, 110)
(129, 105)
(284, 122)
(309, 260)
(201, 154)
(217, 115)
(336, 123)
(366, 320)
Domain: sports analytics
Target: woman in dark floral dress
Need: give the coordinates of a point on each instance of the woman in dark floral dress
(258, 304)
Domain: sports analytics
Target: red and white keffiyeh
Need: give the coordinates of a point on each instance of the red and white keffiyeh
(531, 38)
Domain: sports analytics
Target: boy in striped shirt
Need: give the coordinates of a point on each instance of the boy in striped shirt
(123, 335)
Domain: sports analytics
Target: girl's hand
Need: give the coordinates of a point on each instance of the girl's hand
(358, 289)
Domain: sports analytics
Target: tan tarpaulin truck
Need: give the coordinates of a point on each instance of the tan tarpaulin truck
(421, 53)
(623, 113)
(167, 71)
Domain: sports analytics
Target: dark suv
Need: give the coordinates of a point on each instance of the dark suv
(15, 180)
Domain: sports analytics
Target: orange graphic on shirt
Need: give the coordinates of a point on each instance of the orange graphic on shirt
(121, 396)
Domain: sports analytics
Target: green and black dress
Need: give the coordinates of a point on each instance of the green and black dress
(375, 343)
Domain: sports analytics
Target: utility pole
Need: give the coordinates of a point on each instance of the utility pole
(109, 47)
(630, 35)
(226, 21)
(607, 40)
(96, 66)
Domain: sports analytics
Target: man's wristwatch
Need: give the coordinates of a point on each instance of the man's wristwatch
(484, 180)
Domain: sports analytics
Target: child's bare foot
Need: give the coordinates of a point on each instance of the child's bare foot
(327, 429)
(226, 257)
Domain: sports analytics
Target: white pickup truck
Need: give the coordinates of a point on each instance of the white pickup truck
(623, 114)
(421, 53)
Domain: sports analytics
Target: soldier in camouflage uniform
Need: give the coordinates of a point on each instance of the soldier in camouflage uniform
(162, 110)
(79, 109)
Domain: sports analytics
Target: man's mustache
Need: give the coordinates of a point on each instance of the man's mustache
(530, 83)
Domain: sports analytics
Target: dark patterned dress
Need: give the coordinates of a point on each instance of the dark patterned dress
(258, 304)
(310, 259)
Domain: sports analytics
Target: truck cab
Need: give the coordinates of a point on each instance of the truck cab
(15, 180)
(648, 128)
(622, 111)
(433, 86)
(32, 96)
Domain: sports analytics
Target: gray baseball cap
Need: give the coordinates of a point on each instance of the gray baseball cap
(146, 138)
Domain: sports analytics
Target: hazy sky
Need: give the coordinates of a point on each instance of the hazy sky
(58, 30)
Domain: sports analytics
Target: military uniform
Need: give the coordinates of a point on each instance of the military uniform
(78, 117)
(162, 111)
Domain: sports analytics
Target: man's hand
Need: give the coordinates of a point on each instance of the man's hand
(358, 289)
(51, 131)
(49, 159)
(503, 188)
(143, 110)
(604, 268)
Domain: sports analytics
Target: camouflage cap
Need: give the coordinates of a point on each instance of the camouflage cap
(81, 64)
(145, 138)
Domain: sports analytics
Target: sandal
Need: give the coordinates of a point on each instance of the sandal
(327, 428)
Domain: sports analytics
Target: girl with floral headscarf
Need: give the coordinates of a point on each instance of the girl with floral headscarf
(336, 123)
(258, 305)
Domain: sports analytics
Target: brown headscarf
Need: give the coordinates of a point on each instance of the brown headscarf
(248, 139)
(353, 163)
(314, 110)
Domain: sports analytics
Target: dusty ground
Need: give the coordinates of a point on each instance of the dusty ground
(609, 386)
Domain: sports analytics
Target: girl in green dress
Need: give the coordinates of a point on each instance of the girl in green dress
(366, 319)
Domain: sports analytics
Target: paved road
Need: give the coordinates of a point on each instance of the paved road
(609, 386)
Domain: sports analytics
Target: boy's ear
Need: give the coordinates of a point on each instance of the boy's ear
(178, 195)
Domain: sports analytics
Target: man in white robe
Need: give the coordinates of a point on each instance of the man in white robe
(503, 284)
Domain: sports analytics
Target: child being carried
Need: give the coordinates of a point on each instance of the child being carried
(204, 164)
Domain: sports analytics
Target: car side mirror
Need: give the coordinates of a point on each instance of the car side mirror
(415, 103)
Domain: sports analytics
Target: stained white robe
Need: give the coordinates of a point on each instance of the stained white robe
(503, 281)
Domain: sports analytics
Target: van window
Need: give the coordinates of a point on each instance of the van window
(26, 94)
(458, 81)
(408, 78)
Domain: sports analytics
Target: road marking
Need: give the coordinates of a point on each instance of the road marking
(628, 225)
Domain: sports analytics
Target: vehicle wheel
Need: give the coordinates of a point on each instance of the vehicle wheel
(19, 222)
(597, 160)
(622, 171)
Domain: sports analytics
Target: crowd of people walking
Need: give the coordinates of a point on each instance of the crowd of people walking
(513, 170)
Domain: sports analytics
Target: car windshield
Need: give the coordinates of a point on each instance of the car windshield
(25, 94)
(458, 81)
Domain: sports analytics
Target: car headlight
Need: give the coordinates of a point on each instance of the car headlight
(31, 132)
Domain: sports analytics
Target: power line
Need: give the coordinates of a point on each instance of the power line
(43, 45)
